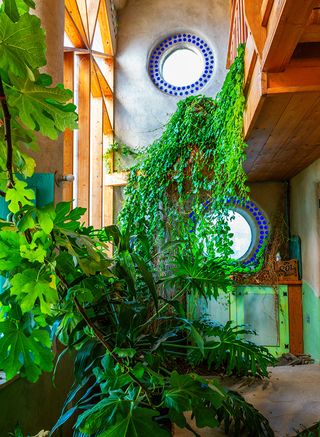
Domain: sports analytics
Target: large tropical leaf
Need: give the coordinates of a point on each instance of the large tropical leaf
(203, 275)
(43, 108)
(27, 354)
(191, 393)
(19, 195)
(225, 348)
(22, 44)
(241, 418)
(30, 287)
(9, 250)
(15, 8)
(115, 417)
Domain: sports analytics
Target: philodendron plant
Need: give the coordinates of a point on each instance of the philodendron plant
(129, 334)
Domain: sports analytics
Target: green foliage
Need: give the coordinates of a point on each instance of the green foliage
(24, 352)
(113, 417)
(119, 157)
(196, 163)
(192, 393)
(22, 45)
(29, 287)
(194, 270)
(34, 105)
(19, 196)
(241, 418)
(224, 347)
(120, 315)
(131, 379)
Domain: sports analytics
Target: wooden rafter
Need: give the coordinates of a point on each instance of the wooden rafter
(287, 26)
(107, 31)
(72, 8)
(92, 15)
(74, 34)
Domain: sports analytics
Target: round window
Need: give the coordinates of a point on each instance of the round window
(248, 225)
(181, 64)
(182, 67)
(242, 234)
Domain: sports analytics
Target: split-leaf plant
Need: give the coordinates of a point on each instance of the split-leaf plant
(60, 282)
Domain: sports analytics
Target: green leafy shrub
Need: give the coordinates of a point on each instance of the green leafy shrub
(224, 347)
(60, 281)
(196, 165)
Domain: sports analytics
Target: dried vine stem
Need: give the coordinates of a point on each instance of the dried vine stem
(8, 136)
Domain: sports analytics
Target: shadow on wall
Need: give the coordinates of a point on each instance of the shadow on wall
(35, 406)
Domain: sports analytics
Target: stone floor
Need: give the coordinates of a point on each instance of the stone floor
(290, 400)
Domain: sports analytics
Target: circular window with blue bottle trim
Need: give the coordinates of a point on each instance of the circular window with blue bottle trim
(181, 64)
(254, 218)
(248, 225)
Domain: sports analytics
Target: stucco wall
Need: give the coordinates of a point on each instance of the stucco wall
(270, 196)
(305, 222)
(141, 110)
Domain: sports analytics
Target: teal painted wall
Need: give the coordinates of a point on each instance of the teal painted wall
(311, 321)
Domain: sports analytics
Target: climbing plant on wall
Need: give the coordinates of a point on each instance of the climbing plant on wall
(196, 162)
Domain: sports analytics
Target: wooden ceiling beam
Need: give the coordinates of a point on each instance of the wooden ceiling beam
(285, 28)
(266, 8)
(107, 123)
(104, 88)
(295, 79)
(93, 7)
(311, 33)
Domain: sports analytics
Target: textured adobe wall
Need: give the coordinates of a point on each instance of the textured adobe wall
(305, 222)
(141, 109)
(270, 196)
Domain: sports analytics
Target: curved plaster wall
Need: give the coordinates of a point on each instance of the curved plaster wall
(305, 222)
(141, 110)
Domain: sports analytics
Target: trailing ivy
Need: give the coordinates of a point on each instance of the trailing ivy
(196, 162)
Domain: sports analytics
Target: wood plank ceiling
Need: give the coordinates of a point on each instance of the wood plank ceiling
(282, 76)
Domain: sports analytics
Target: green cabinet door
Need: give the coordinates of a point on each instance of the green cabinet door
(262, 308)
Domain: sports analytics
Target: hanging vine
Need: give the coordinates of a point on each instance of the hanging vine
(194, 165)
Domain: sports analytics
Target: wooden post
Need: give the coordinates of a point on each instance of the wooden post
(84, 135)
(295, 319)
(68, 135)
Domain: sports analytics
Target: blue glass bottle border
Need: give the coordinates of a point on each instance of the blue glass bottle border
(175, 41)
